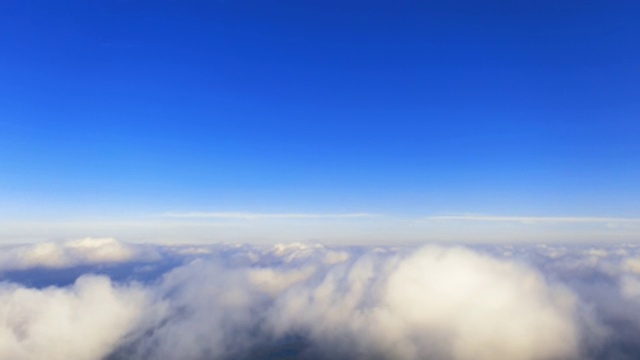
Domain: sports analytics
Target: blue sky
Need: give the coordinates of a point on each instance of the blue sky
(134, 111)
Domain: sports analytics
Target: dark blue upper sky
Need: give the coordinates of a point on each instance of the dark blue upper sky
(508, 107)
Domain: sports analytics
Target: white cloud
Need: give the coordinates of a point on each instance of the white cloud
(228, 301)
(442, 303)
(83, 322)
(72, 253)
(262, 216)
(536, 219)
(434, 302)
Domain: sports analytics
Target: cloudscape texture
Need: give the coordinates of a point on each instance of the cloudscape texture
(319, 180)
(104, 299)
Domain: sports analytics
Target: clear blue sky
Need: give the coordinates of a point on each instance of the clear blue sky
(401, 108)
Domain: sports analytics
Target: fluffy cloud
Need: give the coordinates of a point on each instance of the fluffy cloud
(84, 321)
(436, 303)
(311, 301)
(72, 253)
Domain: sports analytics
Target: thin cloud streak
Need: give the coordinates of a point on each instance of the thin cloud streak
(536, 219)
(261, 216)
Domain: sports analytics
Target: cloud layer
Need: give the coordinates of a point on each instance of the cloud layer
(537, 219)
(87, 251)
(317, 302)
(262, 216)
(84, 321)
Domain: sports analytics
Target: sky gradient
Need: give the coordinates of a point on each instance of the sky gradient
(320, 120)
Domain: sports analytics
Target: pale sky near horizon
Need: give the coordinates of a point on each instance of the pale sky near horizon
(329, 121)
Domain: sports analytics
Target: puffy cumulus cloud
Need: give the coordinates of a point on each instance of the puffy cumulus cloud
(85, 251)
(317, 302)
(486, 307)
(607, 282)
(207, 312)
(632, 265)
(84, 321)
(441, 303)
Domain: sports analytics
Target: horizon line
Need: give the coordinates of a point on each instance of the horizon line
(260, 216)
(534, 219)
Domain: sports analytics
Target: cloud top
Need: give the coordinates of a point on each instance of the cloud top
(318, 302)
(85, 321)
(85, 251)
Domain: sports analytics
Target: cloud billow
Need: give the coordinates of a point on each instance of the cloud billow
(317, 302)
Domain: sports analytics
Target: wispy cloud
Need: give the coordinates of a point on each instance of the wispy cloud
(536, 219)
(262, 216)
